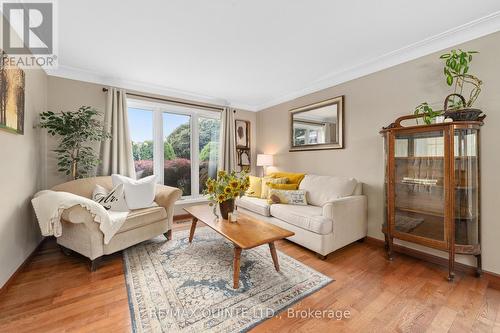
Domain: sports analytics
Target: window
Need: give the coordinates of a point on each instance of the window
(179, 145)
(177, 151)
(209, 129)
(141, 132)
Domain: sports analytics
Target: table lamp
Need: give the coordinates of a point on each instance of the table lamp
(264, 160)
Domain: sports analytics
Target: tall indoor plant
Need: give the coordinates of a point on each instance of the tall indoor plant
(226, 188)
(456, 71)
(77, 130)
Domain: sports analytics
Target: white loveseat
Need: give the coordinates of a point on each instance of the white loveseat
(336, 214)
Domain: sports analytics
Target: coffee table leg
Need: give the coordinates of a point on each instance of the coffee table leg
(236, 267)
(274, 256)
(193, 227)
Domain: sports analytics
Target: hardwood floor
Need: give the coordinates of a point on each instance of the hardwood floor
(57, 293)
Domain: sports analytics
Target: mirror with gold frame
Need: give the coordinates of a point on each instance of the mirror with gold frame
(318, 126)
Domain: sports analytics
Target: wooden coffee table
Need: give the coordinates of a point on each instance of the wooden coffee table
(245, 234)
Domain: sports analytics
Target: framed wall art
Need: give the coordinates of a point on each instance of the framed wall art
(12, 82)
(242, 128)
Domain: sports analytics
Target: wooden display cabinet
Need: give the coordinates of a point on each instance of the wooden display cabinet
(432, 187)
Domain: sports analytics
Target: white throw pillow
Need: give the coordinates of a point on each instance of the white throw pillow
(111, 200)
(322, 189)
(138, 193)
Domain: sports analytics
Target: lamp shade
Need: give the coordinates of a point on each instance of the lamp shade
(264, 160)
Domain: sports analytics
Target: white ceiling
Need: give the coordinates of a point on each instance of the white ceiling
(254, 54)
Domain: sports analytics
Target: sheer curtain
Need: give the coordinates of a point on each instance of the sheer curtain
(116, 153)
(227, 156)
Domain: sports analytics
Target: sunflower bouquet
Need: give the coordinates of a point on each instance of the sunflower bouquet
(227, 186)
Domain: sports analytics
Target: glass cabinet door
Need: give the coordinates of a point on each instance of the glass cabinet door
(419, 184)
(466, 187)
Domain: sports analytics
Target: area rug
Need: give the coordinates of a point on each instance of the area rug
(175, 286)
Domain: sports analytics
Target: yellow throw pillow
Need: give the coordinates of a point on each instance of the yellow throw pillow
(255, 188)
(283, 186)
(295, 197)
(293, 178)
(265, 185)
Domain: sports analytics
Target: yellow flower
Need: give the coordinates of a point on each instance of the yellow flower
(221, 174)
(227, 190)
(234, 184)
(221, 198)
(210, 188)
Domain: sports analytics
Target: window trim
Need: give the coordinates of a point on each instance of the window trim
(158, 110)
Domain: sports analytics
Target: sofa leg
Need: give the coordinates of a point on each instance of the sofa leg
(320, 256)
(168, 234)
(94, 264)
(65, 250)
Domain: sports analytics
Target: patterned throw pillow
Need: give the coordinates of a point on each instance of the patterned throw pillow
(292, 197)
(113, 200)
(269, 180)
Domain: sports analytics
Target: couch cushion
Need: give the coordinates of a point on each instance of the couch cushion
(256, 205)
(305, 217)
(141, 217)
(322, 189)
(293, 178)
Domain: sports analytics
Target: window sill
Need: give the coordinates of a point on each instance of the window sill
(191, 201)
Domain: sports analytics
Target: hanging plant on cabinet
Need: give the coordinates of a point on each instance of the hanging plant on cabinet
(457, 75)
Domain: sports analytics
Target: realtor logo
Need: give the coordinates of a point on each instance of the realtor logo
(28, 33)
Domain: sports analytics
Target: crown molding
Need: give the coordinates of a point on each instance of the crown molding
(461, 34)
(78, 74)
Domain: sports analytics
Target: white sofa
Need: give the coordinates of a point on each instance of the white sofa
(336, 214)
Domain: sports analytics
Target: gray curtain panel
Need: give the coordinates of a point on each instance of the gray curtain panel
(227, 156)
(116, 153)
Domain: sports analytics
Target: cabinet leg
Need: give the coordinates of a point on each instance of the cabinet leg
(479, 269)
(386, 243)
(451, 266)
(390, 246)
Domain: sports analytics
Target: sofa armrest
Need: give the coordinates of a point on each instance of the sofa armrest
(166, 196)
(77, 214)
(346, 205)
(350, 217)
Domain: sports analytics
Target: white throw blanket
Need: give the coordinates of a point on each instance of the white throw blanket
(49, 206)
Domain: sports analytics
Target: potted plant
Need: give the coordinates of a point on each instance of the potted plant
(456, 72)
(77, 130)
(226, 188)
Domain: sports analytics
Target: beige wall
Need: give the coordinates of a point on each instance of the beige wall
(20, 177)
(378, 99)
